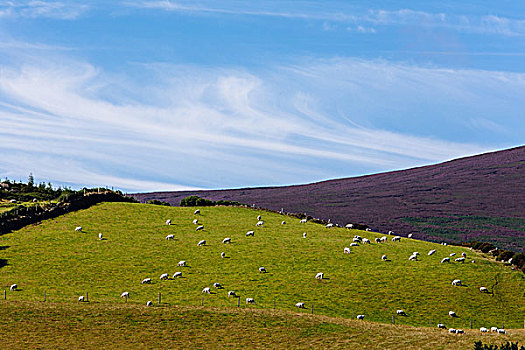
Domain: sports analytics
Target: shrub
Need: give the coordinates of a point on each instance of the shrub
(519, 260)
(157, 202)
(507, 346)
(505, 255)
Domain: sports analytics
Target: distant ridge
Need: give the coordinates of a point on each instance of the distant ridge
(473, 198)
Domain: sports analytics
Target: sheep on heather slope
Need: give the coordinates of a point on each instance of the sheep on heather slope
(360, 317)
(319, 276)
(146, 281)
(262, 269)
(164, 276)
(196, 212)
(250, 301)
(227, 240)
(203, 242)
(168, 222)
(259, 223)
(168, 237)
(206, 290)
(181, 263)
(200, 228)
(249, 233)
(78, 229)
(299, 305)
(346, 250)
(177, 274)
(302, 221)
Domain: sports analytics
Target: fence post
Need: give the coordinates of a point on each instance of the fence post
(312, 309)
(159, 298)
(44, 296)
(238, 301)
(5, 294)
(202, 301)
(126, 298)
(393, 319)
(87, 297)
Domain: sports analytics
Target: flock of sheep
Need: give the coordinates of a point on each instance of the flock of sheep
(356, 241)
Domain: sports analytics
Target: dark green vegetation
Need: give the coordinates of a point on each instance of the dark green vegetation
(52, 258)
(196, 201)
(37, 325)
(157, 202)
(506, 346)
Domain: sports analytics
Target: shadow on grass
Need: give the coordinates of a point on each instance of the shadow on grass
(3, 262)
(4, 247)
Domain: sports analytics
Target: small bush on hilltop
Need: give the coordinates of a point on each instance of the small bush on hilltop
(157, 202)
(507, 346)
(196, 201)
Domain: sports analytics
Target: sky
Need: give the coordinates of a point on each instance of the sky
(172, 95)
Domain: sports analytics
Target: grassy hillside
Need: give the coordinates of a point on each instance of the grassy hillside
(100, 326)
(51, 258)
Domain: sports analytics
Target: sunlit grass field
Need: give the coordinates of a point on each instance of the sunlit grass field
(52, 259)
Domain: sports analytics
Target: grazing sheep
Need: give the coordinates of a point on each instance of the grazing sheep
(444, 243)
(378, 240)
(431, 252)
(303, 221)
(483, 289)
(223, 255)
(442, 326)
(473, 261)
(483, 330)
(329, 225)
(13, 287)
(413, 257)
(170, 237)
(203, 242)
(100, 236)
(78, 229)
(168, 222)
(319, 276)
(354, 245)
(195, 221)
(146, 280)
(349, 225)
(182, 263)
(259, 218)
(456, 282)
(356, 240)
(409, 235)
(366, 241)
(250, 233)
(206, 290)
(262, 269)
(304, 234)
(493, 329)
(390, 232)
(502, 331)
(396, 239)
(199, 228)
(231, 293)
(464, 254)
(283, 222)
(124, 295)
(259, 223)
(81, 298)
(177, 274)
(164, 276)
(360, 317)
(250, 301)
(384, 258)
(227, 240)
(383, 239)
(459, 331)
(415, 253)
(401, 312)
(452, 331)
(452, 254)
(452, 314)
(460, 260)
(346, 250)
(217, 285)
(368, 229)
(149, 303)
(444, 260)
(196, 212)
(299, 305)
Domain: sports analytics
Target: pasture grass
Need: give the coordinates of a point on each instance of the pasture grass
(52, 258)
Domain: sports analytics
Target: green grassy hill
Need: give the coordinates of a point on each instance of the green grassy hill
(52, 258)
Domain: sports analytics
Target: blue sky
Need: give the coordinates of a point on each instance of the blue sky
(167, 95)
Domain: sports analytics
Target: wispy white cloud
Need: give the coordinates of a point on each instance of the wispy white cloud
(42, 9)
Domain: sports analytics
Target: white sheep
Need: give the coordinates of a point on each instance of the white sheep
(383, 239)
(460, 260)
(452, 254)
(366, 241)
(401, 312)
(413, 257)
(464, 254)
(456, 282)
(283, 222)
(319, 276)
(384, 258)
(250, 301)
(181, 263)
(431, 252)
(217, 285)
(196, 212)
(349, 226)
(231, 293)
(164, 276)
(168, 222)
(259, 218)
(304, 234)
(13, 287)
(452, 314)
(360, 317)
(146, 280)
(177, 274)
(168, 237)
(409, 235)
(78, 229)
(452, 330)
(415, 253)
(149, 303)
(259, 223)
(483, 330)
(299, 305)
(223, 255)
(356, 240)
(502, 331)
(199, 228)
(444, 260)
(206, 290)
(346, 250)
(227, 240)
(459, 331)
(368, 229)
(100, 236)
(377, 240)
(483, 289)
(390, 232)
(303, 221)
(441, 325)
(262, 269)
(354, 244)
(250, 233)
(124, 295)
(493, 329)
(396, 239)
(203, 242)
(81, 298)
(195, 221)
(329, 225)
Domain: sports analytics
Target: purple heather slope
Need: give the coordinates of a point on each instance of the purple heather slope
(473, 198)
